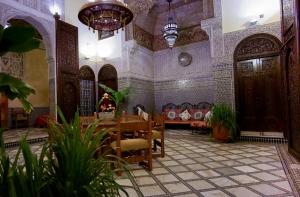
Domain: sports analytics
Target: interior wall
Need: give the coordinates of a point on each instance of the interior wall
(176, 84)
(246, 11)
(35, 73)
(139, 77)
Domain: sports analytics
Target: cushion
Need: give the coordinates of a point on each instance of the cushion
(171, 115)
(185, 115)
(196, 114)
(140, 111)
(177, 112)
(131, 144)
(207, 116)
(145, 116)
(156, 134)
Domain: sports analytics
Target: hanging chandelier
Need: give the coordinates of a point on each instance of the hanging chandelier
(105, 16)
(170, 30)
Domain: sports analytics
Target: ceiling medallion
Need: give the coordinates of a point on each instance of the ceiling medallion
(105, 16)
(170, 30)
(141, 6)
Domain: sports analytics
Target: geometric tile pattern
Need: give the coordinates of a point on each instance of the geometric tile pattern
(196, 166)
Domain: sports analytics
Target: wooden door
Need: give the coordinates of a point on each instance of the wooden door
(293, 98)
(109, 77)
(290, 22)
(68, 90)
(269, 116)
(3, 112)
(247, 93)
(259, 97)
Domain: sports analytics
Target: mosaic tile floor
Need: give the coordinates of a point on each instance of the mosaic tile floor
(14, 135)
(196, 166)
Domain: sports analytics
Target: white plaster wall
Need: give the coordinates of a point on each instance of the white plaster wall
(166, 66)
(237, 13)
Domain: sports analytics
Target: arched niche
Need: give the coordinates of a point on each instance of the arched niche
(87, 91)
(257, 74)
(108, 76)
(47, 30)
(33, 68)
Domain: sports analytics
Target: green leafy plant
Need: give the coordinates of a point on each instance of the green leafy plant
(67, 165)
(222, 115)
(75, 171)
(117, 96)
(18, 39)
(29, 179)
(15, 88)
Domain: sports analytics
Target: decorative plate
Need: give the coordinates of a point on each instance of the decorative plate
(184, 59)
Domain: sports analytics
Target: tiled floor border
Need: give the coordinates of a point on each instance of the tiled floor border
(30, 141)
(272, 140)
(293, 175)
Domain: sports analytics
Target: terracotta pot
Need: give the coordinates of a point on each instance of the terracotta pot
(221, 133)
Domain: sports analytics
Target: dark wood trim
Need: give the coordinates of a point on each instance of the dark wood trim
(291, 70)
(67, 68)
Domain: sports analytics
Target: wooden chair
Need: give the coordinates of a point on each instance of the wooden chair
(158, 135)
(86, 120)
(20, 118)
(137, 149)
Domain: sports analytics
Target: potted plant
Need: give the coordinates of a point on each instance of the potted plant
(117, 96)
(223, 122)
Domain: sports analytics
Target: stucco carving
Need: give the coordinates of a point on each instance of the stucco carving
(156, 43)
(257, 45)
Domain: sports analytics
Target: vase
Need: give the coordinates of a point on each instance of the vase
(106, 115)
(221, 134)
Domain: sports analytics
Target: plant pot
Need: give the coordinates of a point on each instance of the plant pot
(106, 115)
(221, 133)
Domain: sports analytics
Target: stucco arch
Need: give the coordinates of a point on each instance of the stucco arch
(46, 28)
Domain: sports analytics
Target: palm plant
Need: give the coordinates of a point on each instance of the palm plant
(75, 171)
(15, 88)
(29, 179)
(18, 39)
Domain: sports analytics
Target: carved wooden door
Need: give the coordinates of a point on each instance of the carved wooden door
(293, 97)
(259, 97)
(268, 75)
(68, 90)
(247, 92)
(3, 112)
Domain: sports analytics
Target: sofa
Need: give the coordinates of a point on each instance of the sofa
(186, 113)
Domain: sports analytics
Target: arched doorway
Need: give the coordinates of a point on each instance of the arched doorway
(87, 91)
(31, 67)
(258, 84)
(109, 77)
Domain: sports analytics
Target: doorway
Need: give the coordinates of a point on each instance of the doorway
(258, 84)
(109, 77)
(87, 91)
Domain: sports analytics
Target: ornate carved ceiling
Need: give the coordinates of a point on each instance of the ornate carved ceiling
(188, 15)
